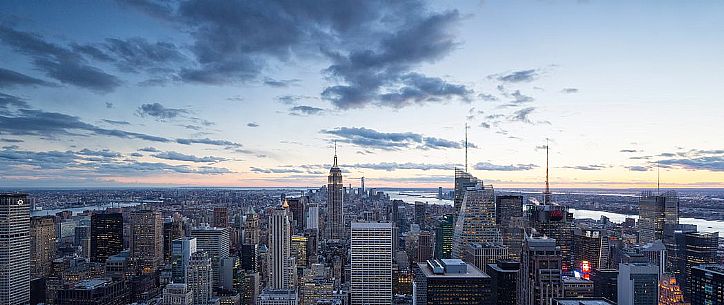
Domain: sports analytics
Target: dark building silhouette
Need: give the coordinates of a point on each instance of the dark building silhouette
(106, 236)
(444, 236)
(504, 278)
(94, 292)
(605, 283)
(450, 282)
(707, 285)
(701, 248)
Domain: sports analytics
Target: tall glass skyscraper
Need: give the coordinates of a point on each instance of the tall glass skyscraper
(476, 220)
(15, 249)
(106, 236)
(655, 213)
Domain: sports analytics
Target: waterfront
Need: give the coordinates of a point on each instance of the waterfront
(78, 210)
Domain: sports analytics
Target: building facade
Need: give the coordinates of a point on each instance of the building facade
(371, 263)
(15, 249)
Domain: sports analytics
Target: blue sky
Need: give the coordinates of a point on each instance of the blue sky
(254, 93)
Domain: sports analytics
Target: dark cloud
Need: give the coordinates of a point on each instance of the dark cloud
(487, 166)
(431, 142)
(629, 150)
(569, 90)
(235, 98)
(135, 54)
(177, 156)
(522, 115)
(58, 62)
(8, 101)
(418, 88)
(149, 149)
(105, 153)
(41, 123)
(520, 98)
(374, 139)
(305, 110)
(485, 125)
(9, 78)
(280, 83)
(109, 105)
(592, 167)
(710, 160)
(160, 112)
(208, 141)
(114, 122)
(135, 154)
(276, 170)
(518, 76)
(252, 124)
(11, 140)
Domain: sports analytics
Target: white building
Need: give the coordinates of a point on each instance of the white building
(199, 277)
(312, 221)
(215, 241)
(177, 294)
(15, 249)
(278, 297)
(280, 269)
(371, 263)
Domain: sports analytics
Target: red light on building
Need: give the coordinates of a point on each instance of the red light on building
(585, 266)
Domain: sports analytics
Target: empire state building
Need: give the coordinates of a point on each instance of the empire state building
(335, 212)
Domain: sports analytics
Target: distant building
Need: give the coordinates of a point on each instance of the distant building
(146, 240)
(221, 217)
(215, 241)
(582, 301)
(280, 269)
(199, 277)
(312, 220)
(278, 297)
(605, 283)
(476, 220)
(592, 247)
(701, 248)
(638, 284)
(509, 217)
(95, 292)
(251, 228)
(182, 249)
(670, 292)
(507, 207)
(420, 212)
(554, 221)
(444, 236)
(298, 209)
(299, 250)
(177, 294)
(14, 249)
(106, 236)
(425, 246)
(574, 287)
(42, 245)
(172, 230)
(335, 198)
(371, 263)
(463, 180)
(451, 282)
(540, 279)
(656, 212)
(480, 255)
(504, 278)
(707, 285)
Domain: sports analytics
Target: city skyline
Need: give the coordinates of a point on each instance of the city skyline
(137, 93)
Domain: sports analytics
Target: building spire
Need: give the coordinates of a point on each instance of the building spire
(547, 192)
(466, 147)
(658, 178)
(335, 154)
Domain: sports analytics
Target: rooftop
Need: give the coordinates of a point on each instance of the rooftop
(92, 283)
(451, 268)
(371, 225)
(583, 301)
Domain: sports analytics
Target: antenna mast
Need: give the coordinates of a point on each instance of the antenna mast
(658, 178)
(466, 147)
(547, 192)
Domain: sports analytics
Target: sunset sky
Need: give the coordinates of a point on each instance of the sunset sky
(255, 93)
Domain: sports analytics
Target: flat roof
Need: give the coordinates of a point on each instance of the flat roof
(374, 225)
(583, 301)
(472, 272)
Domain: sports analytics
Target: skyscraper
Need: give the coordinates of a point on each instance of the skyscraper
(510, 220)
(655, 213)
(221, 217)
(199, 277)
(251, 228)
(504, 276)
(476, 220)
(214, 241)
(707, 285)
(335, 198)
(146, 240)
(539, 279)
(312, 218)
(591, 247)
(42, 245)
(444, 236)
(172, 230)
(371, 263)
(420, 208)
(480, 255)
(280, 272)
(299, 250)
(182, 248)
(106, 236)
(701, 248)
(297, 209)
(638, 284)
(15, 249)
(451, 282)
(507, 207)
(463, 180)
(554, 221)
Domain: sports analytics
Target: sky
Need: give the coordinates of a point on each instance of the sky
(257, 93)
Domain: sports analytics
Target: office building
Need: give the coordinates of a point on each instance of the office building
(582, 301)
(701, 248)
(591, 247)
(251, 228)
(670, 292)
(507, 207)
(476, 220)
(280, 270)
(42, 245)
(451, 282)
(425, 246)
(638, 284)
(299, 250)
(177, 294)
(221, 217)
(146, 240)
(480, 255)
(298, 209)
(554, 221)
(656, 212)
(576, 287)
(215, 241)
(540, 279)
(83, 240)
(335, 198)
(278, 297)
(182, 248)
(420, 212)
(15, 249)
(98, 291)
(248, 256)
(605, 283)
(504, 279)
(172, 230)
(444, 236)
(707, 285)
(199, 277)
(106, 236)
(371, 263)
(463, 181)
(312, 222)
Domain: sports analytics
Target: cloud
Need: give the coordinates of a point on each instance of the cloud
(105, 153)
(485, 125)
(487, 166)
(252, 124)
(149, 149)
(392, 166)
(8, 101)
(518, 76)
(135, 54)
(280, 83)
(11, 140)
(592, 167)
(628, 150)
(109, 105)
(276, 170)
(637, 168)
(208, 141)
(375, 139)
(522, 115)
(58, 62)
(160, 112)
(569, 90)
(9, 78)
(305, 110)
(419, 89)
(700, 160)
(176, 156)
(520, 98)
(50, 124)
(487, 97)
(116, 122)
(431, 142)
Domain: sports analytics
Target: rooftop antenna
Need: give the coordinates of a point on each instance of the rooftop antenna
(466, 147)
(547, 192)
(658, 178)
(335, 154)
